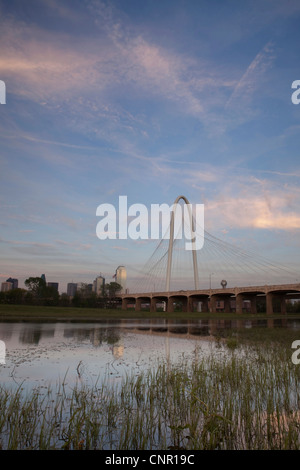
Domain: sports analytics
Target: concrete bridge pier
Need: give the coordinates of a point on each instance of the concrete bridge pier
(271, 297)
(269, 303)
(124, 304)
(198, 304)
(204, 305)
(153, 305)
(253, 303)
(185, 304)
(240, 300)
(227, 308)
(189, 305)
(170, 305)
(213, 304)
(283, 304)
(220, 298)
(180, 299)
(239, 303)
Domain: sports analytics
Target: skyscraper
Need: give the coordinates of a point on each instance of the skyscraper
(14, 282)
(6, 286)
(53, 284)
(71, 289)
(98, 285)
(121, 277)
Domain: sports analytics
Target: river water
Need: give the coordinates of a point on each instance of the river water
(39, 355)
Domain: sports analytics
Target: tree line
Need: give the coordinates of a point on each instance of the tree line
(37, 292)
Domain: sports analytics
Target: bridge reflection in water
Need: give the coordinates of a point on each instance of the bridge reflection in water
(192, 329)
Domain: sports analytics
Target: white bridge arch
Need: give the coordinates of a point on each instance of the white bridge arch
(171, 243)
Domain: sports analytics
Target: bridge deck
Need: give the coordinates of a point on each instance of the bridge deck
(210, 297)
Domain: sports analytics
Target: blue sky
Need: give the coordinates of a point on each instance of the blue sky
(150, 100)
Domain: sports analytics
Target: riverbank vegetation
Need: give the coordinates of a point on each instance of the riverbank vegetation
(15, 312)
(232, 399)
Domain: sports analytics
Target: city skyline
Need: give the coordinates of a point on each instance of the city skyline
(145, 100)
(70, 287)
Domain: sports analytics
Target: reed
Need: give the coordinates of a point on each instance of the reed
(235, 398)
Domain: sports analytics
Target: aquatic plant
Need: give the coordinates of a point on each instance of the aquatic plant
(221, 401)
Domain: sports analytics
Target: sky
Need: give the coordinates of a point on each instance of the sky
(149, 100)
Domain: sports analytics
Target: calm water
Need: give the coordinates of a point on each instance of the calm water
(41, 354)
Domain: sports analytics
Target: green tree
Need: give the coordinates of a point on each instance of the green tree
(85, 297)
(64, 300)
(49, 296)
(111, 290)
(16, 296)
(36, 285)
(40, 292)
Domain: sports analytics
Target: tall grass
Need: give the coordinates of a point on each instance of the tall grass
(247, 400)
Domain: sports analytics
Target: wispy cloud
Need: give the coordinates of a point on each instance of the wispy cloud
(57, 70)
(256, 204)
(253, 77)
(163, 73)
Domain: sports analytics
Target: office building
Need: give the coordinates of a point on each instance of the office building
(121, 277)
(83, 286)
(71, 289)
(6, 286)
(53, 284)
(14, 282)
(98, 285)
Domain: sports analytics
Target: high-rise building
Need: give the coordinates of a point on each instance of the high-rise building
(6, 286)
(121, 277)
(71, 289)
(43, 277)
(14, 282)
(98, 285)
(53, 284)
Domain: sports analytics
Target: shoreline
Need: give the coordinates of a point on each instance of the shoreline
(79, 314)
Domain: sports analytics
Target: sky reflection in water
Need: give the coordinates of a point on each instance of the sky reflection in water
(41, 354)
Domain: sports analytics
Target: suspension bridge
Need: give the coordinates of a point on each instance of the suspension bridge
(174, 276)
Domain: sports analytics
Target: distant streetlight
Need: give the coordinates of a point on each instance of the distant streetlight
(210, 279)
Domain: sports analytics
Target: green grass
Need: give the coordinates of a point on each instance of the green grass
(232, 401)
(28, 312)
